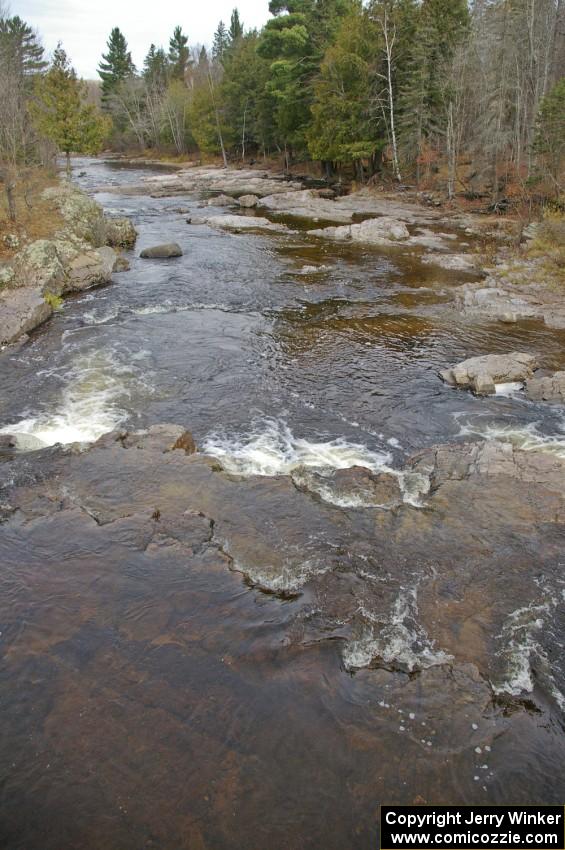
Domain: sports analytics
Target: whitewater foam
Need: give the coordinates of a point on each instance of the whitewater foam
(400, 640)
(525, 437)
(272, 449)
(90, 405)
(521, 648)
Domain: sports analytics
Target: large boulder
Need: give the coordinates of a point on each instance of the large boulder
(482, 374)
(21, 310)
(372, 231)
(248, 201)
(82, 215)
(41, 265)
(550, 388)
(221, 201)
(89, 269)
(375, 230)
(120, 233)
(162, 252)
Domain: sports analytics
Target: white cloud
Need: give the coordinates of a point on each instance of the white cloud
(84, 27)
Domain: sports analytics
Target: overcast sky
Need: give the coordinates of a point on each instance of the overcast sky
(84, 26)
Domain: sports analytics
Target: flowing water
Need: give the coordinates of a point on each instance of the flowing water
(280, 353)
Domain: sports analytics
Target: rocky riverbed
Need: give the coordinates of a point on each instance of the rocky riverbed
(264, 569)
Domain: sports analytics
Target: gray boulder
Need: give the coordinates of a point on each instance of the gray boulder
(373, 231)
(162, 252)
(221, 201)
(248, 201)
(21, 310)
(89, 269)
(120, 233)
(550, 388)
(121, 265)
(482, 374)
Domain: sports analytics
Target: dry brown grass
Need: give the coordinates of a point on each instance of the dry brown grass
(36, 217)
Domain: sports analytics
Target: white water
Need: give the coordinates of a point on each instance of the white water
(521, 647)
(525, 437)
(90, 405)
(400, 640)
(272, 449)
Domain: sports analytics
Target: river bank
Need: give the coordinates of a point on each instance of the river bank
(80, 255)
(336, 580)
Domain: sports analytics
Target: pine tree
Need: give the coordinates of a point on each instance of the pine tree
(236, 27)
(295, 41)
(221, 42)
(61, 114)
(116, 65)
(549, 142)
(179, 54)
(21, 44)
(345, 128)
(156, 68)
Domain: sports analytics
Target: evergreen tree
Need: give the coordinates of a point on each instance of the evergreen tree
(221, 42)
(549, 143)
(345, 128)
(116, 65)
(295, 41)
(179, 54)
(61, 114)
(236, 27)
(156, 68)
(21, 44)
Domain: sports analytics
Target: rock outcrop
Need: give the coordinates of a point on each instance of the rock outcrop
(482, 374)
(372, 231)
(76, 258)
(162, 252)
(549, 388)
(237, 223)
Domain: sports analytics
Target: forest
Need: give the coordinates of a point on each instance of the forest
(467, 98)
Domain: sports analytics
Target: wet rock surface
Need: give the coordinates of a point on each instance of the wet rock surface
(310, 595)
(482, 374)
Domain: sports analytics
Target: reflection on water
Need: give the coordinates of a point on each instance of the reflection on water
(152, 697)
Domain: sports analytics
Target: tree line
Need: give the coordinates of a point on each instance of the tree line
(405, 88)
(43, 107)
(467, 93)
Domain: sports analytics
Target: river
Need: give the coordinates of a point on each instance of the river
(279, 352)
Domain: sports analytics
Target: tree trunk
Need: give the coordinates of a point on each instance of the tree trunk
(11, 196)
(68, 156)
(451, 153)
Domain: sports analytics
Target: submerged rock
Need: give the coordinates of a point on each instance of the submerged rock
(550, 388)
(162, 252)
(241, 222)
(453, 262)
(355, 486)
(481, 374)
